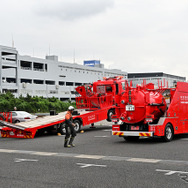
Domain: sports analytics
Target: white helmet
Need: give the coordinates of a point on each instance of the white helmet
(70, 108)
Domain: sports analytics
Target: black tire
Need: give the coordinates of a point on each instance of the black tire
(131, 138)
(17, 121)
(169, 133)
(77, 125)
(62, 129)
(109, 115)
(2, 117)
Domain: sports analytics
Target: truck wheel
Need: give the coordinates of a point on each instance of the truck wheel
(77, 125)
(2, 117)
(169, 133)
(62, 129)
(109, 115)
(131, 138)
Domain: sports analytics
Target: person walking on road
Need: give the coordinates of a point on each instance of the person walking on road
(69, 126)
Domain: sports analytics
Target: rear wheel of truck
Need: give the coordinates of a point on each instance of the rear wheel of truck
(169, 133)
(131, 138)
(77, 125)
(62, 129)
(109, 115)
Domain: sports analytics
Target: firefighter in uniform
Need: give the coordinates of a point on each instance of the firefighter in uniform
(69, 126)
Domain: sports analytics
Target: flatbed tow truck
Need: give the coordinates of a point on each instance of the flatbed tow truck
(29, 129)
(96, 102)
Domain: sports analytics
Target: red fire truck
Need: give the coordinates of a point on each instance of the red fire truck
(103, 94)
(148, 112)
(96, 102)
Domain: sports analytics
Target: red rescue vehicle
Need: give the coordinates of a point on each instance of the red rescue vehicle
(148, 112)
(96, 102)
(103, 94)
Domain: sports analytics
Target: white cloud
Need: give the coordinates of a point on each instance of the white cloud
(72, 9)
(132, 35)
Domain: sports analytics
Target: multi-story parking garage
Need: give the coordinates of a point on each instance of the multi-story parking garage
(47, 77)
(158, 78)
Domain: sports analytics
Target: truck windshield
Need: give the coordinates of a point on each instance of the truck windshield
(123, 85)
(101, 89)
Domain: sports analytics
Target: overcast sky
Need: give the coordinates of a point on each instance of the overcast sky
(131, 35)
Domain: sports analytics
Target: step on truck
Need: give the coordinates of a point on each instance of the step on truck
(148, 112)
(96, 102)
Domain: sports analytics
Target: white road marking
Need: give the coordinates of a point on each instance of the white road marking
(7, 151)
(90, 156)
(43, 153)
(16, 160)
(143, 160)
(107, 130)
(101, 136)
(183, 177)
(181, 174)
(84, 156)
(170, 172)
(83, 165)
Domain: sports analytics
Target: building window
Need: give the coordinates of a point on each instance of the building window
(38, 81)
(26, 65)
(74, 93)
(78, 84)
(69, 83)
(25, 80)
(53, 92)
(38, 66)
(50, 82)
(10, 90)
(61, 83)
(11, 80)
(64, 99)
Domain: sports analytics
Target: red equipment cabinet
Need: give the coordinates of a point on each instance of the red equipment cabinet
(153, 112)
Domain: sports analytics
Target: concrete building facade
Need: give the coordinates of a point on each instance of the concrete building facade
(47, 77)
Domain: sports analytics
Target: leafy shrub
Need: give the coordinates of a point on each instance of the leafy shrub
(32, 104)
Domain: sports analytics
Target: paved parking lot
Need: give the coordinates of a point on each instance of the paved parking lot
(98, 160)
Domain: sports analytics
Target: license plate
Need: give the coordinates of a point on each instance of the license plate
(129, 107)
(134, 128)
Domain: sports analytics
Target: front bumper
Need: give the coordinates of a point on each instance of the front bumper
(132, 133)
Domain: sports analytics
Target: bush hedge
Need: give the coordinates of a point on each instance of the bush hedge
(32, 104)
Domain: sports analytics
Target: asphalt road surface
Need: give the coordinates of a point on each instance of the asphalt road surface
(99, 160)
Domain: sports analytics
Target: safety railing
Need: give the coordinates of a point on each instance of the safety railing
(6, 116)
(94, 102)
